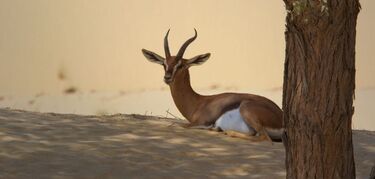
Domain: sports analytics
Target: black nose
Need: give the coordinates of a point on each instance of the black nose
(167, 80)
(167, 76)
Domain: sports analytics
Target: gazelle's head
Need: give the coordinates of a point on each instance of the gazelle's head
(174, 64)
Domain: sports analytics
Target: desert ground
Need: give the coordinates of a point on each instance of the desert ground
(155, 102)
(50, 145)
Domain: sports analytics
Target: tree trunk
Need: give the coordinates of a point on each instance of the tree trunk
(318, 92)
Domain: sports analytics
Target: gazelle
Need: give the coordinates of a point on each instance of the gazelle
(237, 114)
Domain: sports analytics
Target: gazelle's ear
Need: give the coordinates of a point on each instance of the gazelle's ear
(153, 57)
(197, 60)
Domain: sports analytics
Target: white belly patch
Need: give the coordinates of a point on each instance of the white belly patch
(232, 120)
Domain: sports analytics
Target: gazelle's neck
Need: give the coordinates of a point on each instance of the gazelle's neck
(185, 98)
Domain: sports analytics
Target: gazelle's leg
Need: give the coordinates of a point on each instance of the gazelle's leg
(210, 127)
(197, 123)
(240, 135)
(197, 126)
(253, 115)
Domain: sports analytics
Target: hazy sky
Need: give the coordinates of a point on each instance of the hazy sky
(96, 44)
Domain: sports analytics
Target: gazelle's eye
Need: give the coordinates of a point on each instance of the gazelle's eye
(178, 65)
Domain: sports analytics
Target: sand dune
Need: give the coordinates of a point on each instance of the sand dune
(47, 145)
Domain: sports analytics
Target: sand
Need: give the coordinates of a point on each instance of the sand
(156, 103)
(48, 145)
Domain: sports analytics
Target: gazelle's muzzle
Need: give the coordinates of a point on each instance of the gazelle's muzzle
(168, 78)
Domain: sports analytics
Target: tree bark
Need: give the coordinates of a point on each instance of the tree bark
(318, 92)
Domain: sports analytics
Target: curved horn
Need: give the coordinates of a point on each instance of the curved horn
(166, 46)
(185, 45)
